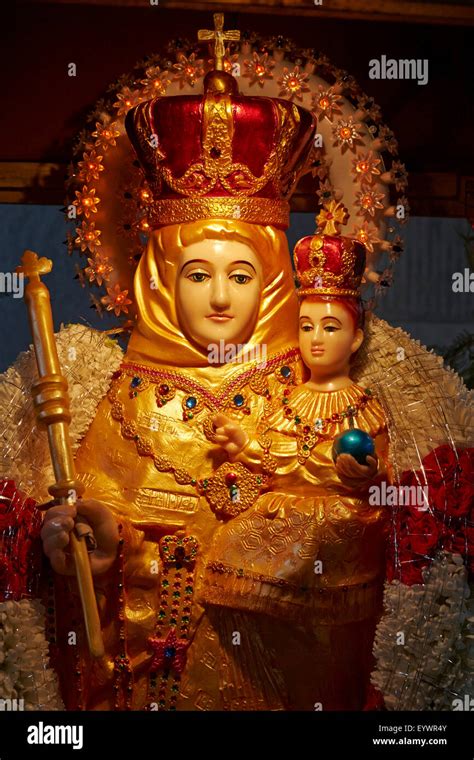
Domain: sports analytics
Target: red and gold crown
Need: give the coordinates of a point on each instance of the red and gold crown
(221, 154)
(330, 265)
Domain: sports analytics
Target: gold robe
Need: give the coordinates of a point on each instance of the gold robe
(122, 461)
(309, 556)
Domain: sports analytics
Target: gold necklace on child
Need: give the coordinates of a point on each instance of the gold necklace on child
(309, 433)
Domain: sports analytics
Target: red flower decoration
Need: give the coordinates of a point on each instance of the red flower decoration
(446, 523)
(20, 549)
(450, 476)
(169, 652)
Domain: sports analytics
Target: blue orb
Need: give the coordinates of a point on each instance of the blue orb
(356, 442)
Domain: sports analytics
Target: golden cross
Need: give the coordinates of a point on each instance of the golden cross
(220, 36)
(32, 266)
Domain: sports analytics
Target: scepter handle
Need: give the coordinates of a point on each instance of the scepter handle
(51, 404)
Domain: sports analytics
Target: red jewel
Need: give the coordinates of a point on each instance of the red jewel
(306, 429)
(117, 374)
(230, 478)
(288, 412)
(286, 392)
(164, 389)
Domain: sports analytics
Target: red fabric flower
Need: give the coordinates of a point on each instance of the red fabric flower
(415, 489)
(20, 548)
(446, 523)
(423, 532)
(450, 476)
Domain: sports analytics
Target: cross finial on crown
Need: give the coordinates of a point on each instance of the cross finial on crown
(220, 36)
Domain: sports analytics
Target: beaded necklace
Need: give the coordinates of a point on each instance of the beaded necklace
(232, 488)
(309, 432)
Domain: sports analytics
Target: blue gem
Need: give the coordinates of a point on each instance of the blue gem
(170, 652)
(285, 371)
(191, 402)
(135, 382)
(239, 399)
(356, 442)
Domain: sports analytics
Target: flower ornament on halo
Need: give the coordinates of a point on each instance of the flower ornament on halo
(402, 202)
(188, 70)
(293, 83)
(345, 81)
(90, 167)
(96, 304)
(280, 43)
(366, 167)
(399, 175)
(346, 133)
(368, 104)
(368, 235)
(319, 167)
(259, 68)
(88, 237)
(80, 275)
(388, 138)
(105, 135)
(156, 82)
(384, 281)
(99, 269)
(330, 217)
(326, 103)
(116, 300)
(396, 248)
(325, 192)
(368, 202)
(86, 202)
(126, 99)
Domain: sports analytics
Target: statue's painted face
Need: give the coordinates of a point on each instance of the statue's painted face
(327, 336)
(218, 292)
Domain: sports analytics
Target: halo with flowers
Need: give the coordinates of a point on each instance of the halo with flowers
(108, 197)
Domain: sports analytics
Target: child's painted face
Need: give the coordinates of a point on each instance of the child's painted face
(218, 291)
(327, 336)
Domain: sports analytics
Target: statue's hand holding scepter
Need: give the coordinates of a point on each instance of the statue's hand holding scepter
(99, 530)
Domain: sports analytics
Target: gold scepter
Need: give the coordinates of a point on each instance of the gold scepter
(51, 403)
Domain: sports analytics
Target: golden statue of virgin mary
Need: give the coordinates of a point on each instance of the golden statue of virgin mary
(215, 333)
(216, 275)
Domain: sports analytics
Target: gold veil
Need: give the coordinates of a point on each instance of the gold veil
(158, 338)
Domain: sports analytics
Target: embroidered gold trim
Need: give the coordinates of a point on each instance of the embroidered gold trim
(253, 210)
(327, 292)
